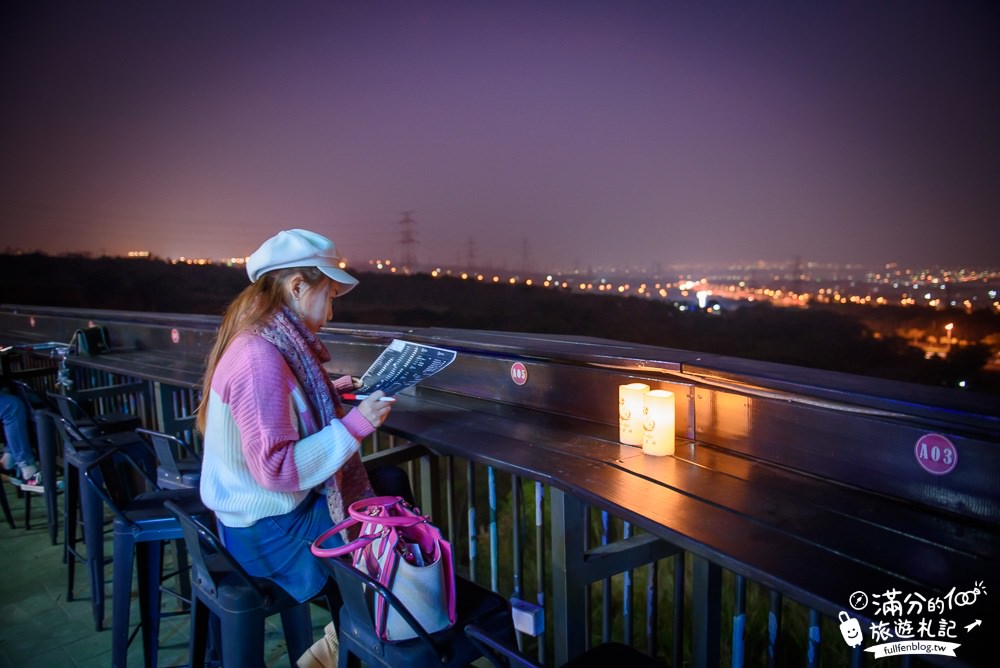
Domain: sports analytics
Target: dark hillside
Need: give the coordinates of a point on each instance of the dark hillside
(117, 283)
(818, 337)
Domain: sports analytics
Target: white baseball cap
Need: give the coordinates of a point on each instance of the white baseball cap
(299, 248)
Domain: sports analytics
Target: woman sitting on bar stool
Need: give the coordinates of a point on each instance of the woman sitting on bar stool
(281, 461)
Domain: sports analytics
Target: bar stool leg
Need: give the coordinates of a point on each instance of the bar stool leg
(201, 618)
(149, 562)
(121, 596)
(242, 639)
(71, 511)
(93, 535)
(297, 624)
(148, 555)
(6, 507)
(47, 444)
(183, 570)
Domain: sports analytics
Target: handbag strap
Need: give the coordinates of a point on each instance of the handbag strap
(362, 512)
(339, 551)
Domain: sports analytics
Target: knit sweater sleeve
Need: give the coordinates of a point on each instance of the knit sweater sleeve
(284, 450)
(344, 384)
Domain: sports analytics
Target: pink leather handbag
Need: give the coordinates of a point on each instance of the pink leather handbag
(402, 550)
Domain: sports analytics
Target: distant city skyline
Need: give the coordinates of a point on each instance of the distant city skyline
(557, 134)
(788, 267)
(716, 287)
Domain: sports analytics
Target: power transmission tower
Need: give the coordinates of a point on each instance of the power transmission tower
(797, 275)
(470, 254)
(408, 240)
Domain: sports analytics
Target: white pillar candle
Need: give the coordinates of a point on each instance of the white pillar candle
(658, 423)
(630, 412)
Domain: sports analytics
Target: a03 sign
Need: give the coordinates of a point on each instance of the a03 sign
(936, 454)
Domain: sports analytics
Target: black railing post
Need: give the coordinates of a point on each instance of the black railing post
(568, 588)
(739, 622)
(774, 629)
(706, 615)
(678, 630)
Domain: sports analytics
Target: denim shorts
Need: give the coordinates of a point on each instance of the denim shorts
(277, 547)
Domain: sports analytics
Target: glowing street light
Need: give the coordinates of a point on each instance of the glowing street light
(948, 328)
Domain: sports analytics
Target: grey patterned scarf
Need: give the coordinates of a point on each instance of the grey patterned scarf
(305, 355)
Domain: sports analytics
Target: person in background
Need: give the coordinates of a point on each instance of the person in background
(281, 462)
(18, 452)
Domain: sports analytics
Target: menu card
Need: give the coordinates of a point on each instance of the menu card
(403, 364)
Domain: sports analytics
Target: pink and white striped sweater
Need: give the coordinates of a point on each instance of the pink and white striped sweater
(263, 448)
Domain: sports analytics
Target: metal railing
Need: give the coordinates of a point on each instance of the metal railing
(513, 532)
(505, 534)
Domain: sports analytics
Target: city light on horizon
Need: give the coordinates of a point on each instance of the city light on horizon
(967, 289)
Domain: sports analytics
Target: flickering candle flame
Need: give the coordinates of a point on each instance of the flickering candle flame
(630, 412)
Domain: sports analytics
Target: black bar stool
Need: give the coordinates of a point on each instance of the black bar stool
(360, 642)
(179, 465)
(224, 592)
(89, 424)
(81, 499)
(142, 526)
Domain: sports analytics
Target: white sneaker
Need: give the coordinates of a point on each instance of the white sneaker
(33, 484)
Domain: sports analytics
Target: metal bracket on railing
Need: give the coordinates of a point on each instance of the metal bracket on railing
(528, 617)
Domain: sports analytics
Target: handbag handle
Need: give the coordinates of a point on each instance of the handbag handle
(358, 516)
(340, 550)
(358, 511)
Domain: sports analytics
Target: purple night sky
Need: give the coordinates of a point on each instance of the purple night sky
(572, 133)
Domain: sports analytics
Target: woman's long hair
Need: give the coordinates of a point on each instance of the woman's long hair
(253, 307)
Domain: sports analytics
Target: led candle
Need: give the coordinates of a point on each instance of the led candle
(630, 412)
(658, 423)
